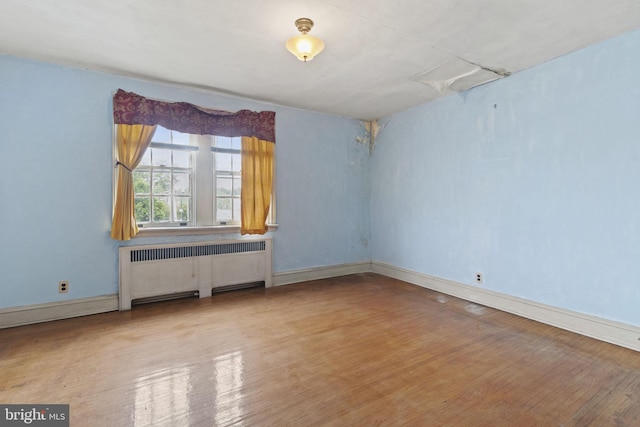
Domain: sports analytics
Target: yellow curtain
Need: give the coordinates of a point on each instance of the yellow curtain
(257, 181)
(133, 141)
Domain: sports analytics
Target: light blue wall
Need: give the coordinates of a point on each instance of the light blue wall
(56, 182)
(533, 180)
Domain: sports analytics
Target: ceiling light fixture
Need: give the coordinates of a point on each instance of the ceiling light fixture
(304, 46)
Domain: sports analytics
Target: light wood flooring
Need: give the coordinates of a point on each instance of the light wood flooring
(359, 350)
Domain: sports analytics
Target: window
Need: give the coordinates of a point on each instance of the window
(227, 163)
(163, 181)
(188, 180)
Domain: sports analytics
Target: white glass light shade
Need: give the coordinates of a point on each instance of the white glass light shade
(305, 47)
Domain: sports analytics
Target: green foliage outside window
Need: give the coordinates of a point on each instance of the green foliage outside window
(161, 205)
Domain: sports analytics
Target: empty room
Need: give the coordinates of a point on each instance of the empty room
(296, 213)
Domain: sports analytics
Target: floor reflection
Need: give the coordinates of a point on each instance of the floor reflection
(161, 398)
(228, 374)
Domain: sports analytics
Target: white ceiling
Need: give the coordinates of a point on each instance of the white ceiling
(380, 56)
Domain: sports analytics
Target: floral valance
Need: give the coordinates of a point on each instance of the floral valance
(132, 109)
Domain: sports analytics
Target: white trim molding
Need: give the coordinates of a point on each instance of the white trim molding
(595, 327)
(317, 273)
(28, 314)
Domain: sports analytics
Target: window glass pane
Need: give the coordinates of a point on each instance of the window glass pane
(161, 209)
(236, 209)
(141, 182)
(223, 186)
(161, 157)
(142, 209)
(183, 209)
(236, 162)
(161, 182)
(181, 159)
(223, 142)
(223, 161)
(180, 138)
(236, 143)
(162, 135)
(236, 186)
(181, 183)
(223, 209)
(146, 159)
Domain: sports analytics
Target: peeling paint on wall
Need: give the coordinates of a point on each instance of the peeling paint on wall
(371, 130)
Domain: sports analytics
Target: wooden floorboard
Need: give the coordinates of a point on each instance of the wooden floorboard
(350, 351)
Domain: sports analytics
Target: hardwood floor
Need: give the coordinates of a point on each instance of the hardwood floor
(359, 350)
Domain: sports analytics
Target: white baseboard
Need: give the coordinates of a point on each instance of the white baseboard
(25, 315)
(317, 273)
(595, 327)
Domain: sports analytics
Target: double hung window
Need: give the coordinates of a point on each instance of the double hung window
(227, 166)
(185, 180)
(163, 182)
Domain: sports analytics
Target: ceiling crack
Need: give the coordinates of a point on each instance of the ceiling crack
(501, 73)
(498, 72)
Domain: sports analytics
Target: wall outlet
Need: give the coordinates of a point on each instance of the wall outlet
(479, 278)
(63, 287)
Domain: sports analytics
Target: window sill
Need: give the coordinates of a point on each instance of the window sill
(193, 231)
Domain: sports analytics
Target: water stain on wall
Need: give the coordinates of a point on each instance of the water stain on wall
(370, 131)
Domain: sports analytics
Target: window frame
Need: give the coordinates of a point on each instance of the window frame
(151, 168)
